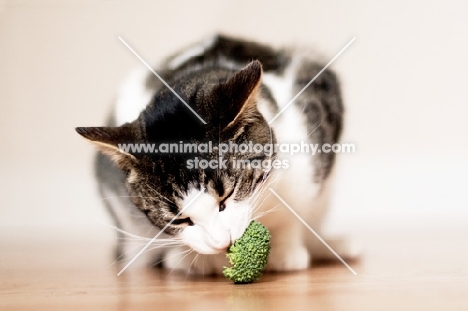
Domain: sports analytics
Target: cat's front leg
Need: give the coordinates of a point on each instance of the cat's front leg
(188, 261)
(288, 252)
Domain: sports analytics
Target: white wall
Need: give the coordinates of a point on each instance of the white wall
(403, 80)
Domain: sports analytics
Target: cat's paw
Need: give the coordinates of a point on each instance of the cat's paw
(288, 258)
(347, 249)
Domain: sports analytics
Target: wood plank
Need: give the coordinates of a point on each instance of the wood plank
(49, 271)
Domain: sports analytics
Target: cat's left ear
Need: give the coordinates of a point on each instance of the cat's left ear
(238, 94)
(110, 140)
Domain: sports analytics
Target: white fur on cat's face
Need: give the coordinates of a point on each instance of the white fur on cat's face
(213, 231)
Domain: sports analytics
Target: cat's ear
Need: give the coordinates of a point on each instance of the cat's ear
(109, 141)
(238, 94)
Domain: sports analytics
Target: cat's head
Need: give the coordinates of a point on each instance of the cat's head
(218, 202)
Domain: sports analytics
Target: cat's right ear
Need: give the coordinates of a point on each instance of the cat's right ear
(109, 140)
(238, 94)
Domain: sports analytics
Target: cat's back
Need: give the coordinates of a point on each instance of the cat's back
(285, 70)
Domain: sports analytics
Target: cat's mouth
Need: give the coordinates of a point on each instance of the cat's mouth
(208, 250)
(211, 240)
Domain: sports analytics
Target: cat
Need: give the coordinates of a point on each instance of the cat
(236, 87)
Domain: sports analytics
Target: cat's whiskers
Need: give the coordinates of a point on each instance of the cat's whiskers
(186, 252)
(131, 235)
(191, 263)
(259, 192)
(259, 197)
(203, 265)
(126, 241)
(270, 210)
(118, 259)
(137, 242)
(124, 257)
(134, 237)
(172, 244)
(172, 255)
(258, 214)
(256, 201)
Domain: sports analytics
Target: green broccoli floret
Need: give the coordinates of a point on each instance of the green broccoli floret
(249, 254)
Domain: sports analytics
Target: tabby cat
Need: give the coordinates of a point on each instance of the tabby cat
(236, 87)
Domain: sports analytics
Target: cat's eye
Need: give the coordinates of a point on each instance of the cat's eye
(222, 204)
(180, 221)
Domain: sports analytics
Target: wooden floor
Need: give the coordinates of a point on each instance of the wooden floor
(58, 269)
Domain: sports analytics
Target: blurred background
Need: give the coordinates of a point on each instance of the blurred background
(404, 85)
